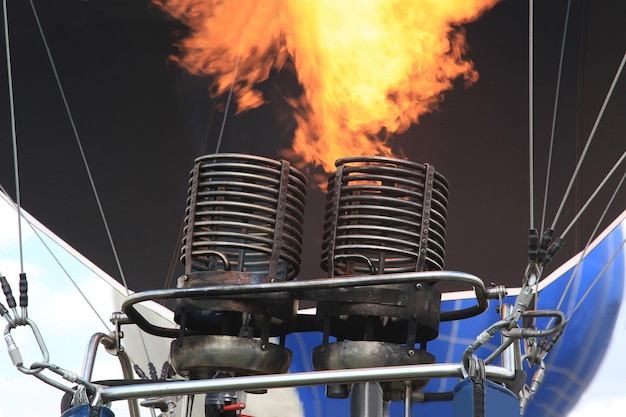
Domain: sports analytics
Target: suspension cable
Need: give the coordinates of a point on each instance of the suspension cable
(588, 244)
(595, 193)
(16, 171)
(232, 84)
(80, 146)
(531, 111)
(174, 258)
(56, 259)
(554, 113)
(67, 274)
(84, 159)
(590, 139)
(597, 278)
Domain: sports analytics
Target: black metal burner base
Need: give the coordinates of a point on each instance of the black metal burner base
(272, 314)
(204, 356)
(368, 354)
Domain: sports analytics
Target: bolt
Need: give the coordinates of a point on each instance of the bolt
(410, 352)
(263, 346)
(418, 286)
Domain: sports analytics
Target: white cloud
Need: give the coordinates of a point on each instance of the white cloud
(610, 407)
(62, 315)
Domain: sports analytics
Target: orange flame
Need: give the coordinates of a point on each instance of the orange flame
(368, 68)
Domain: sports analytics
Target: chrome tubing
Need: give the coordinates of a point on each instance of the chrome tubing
(302, 288)
(90, 358)
(258, 382)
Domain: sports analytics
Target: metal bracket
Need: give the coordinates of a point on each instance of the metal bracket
(429, 175)
(335, 215)
(190, 219)
(280, 218)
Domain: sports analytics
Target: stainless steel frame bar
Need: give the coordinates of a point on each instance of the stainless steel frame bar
(300, 289)
(396, 373)
(90, 358)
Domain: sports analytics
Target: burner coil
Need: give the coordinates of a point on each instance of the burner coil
(245, 213)
(384, 215)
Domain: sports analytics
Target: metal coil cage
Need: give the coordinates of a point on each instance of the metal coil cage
(384, 215)
(244, 213)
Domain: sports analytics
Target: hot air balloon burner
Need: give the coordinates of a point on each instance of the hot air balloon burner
(243, 225)
(383, 216)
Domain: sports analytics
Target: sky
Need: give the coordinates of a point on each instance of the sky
(66, 322)
(137, 112)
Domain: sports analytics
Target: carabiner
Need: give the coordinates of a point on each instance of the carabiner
(14, 351)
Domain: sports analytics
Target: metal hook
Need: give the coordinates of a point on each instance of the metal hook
(15, 354)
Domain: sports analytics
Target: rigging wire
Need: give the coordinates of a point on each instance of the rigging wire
(16, 170)
(531, 111)
(588, 244)
(554, 113)
(173, 259)
(172, 265)
(169, 277)
(590, 139)
(207, 126)
(232, 84)
(60, 264)
(601, 185)
(84, 159)
(595, 193)
(80, 147)
(597, 278)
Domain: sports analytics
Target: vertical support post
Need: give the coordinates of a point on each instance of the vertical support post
(366, 400)
(408, 390)
(511, 358)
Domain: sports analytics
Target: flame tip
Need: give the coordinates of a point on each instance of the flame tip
(364, 72)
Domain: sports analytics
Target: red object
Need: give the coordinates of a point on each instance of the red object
(235, 406)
